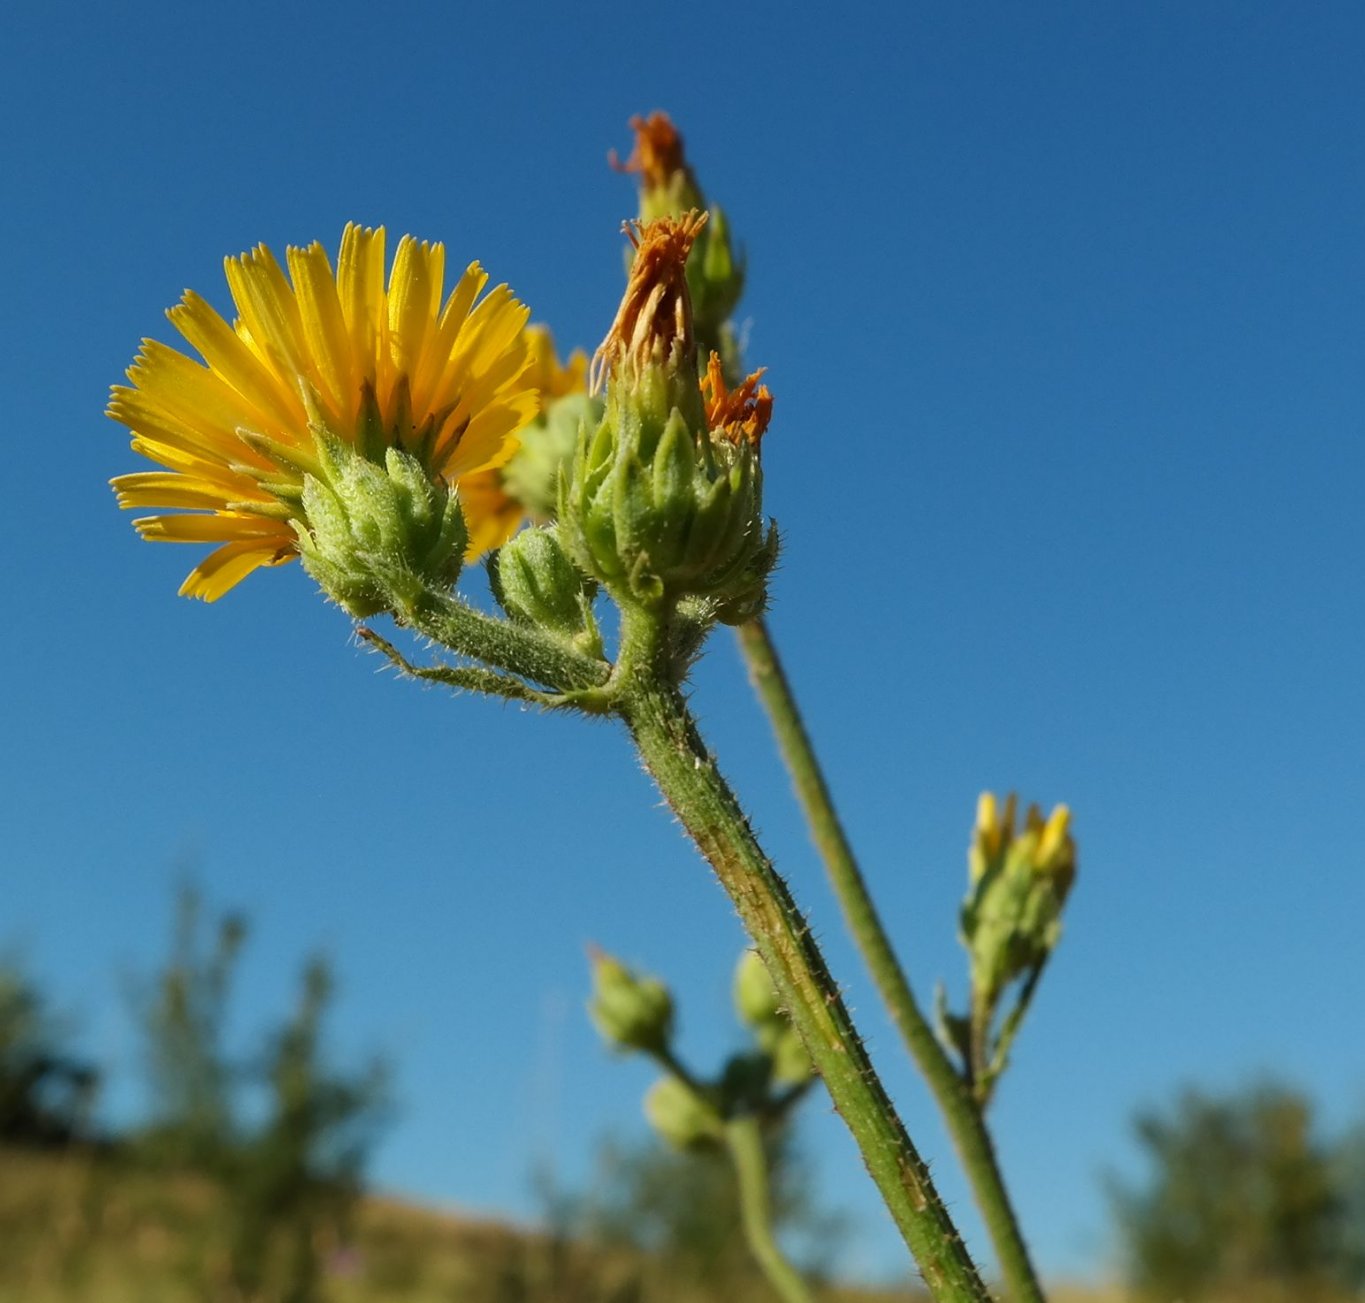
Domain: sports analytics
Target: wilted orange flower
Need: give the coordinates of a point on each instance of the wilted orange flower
(655, 315)
(658, 154)
(740, 414)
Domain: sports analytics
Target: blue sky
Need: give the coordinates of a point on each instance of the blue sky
(1062, 308)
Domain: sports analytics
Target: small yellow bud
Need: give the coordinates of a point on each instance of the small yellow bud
(1054, 836)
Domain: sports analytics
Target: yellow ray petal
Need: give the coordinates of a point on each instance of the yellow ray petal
(211, 529)
(227, 566)
(222, 348)
(324, 329)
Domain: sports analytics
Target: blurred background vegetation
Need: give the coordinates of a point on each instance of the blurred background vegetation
(244, 1181)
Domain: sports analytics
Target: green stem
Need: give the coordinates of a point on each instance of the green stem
(964, 1118)
(744, 1139)
(519, 648)
(686, 773)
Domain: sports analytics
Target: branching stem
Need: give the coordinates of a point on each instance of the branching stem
(955, 1096)
(687, 776)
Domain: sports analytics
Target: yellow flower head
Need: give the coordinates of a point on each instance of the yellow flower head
(491, 513)
(318, 353)
(1046, 844)
(653, 325)
(742, 414)
(551, 378)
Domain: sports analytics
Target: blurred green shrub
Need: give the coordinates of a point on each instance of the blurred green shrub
(45, 1093)
(1242, 1200)
(282, 1135)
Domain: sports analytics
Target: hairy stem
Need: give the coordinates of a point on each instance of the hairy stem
(677, 758)
(964, 1117)
(744, 1140)
(523, 650)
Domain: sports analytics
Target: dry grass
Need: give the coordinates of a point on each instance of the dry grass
(77, 1231)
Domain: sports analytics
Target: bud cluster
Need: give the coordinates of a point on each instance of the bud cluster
(636, 1013)
(1019, 879)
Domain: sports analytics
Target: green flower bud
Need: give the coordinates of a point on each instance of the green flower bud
(715, 275)
(1020, 879)
(681, 1116)
(664, 500)
(756, 1000)
(760, 1009)
(546, 449)
(791, 1060)
(536, 583)
(377, 534)
(631, 1011)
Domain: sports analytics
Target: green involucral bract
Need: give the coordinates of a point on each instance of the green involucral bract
(715, 279)
(374, 535)
(658, 509)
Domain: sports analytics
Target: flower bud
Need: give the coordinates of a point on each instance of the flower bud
(1020, 879)
(682, 1116)
(536, 583)
(631, 1011)
(377, 535)
(791, 1060)
(756, 999)
(534, 473)
(744, 1083)
(531, 476)
(760, 1009)
(665, 496)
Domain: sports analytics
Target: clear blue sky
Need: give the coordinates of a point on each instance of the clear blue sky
(1064, 310)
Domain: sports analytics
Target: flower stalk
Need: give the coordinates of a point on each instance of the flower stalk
(961, 1111)
(749, 1158)
(687, 776)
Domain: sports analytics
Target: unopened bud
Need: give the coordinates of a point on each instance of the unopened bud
(631, 1011)
(756, 1000)
(1020, 879)
(536, 583)
(681, 1115)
